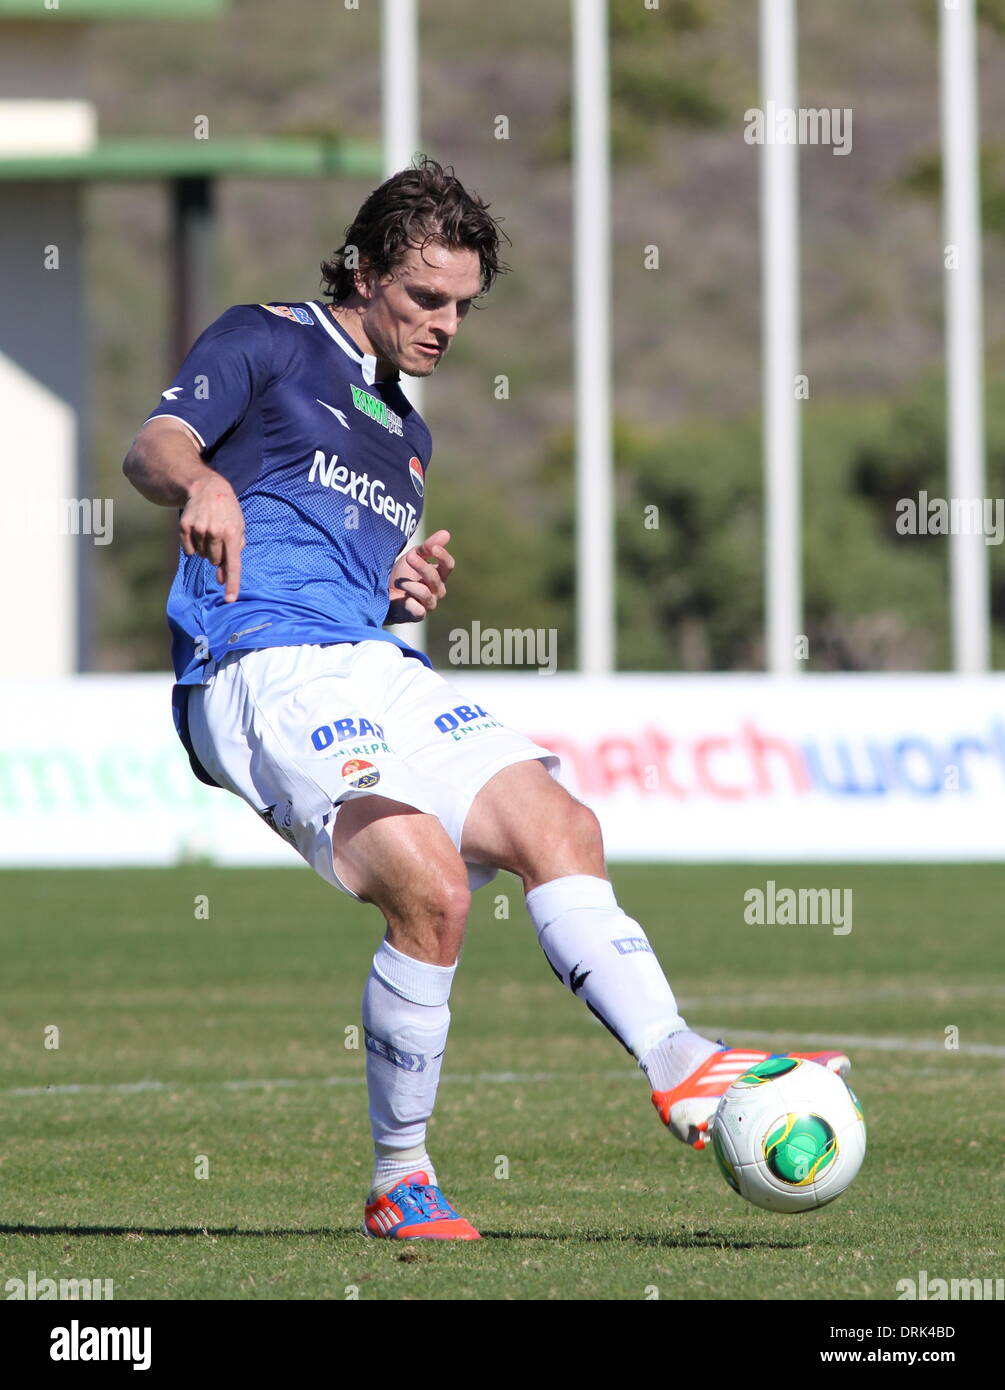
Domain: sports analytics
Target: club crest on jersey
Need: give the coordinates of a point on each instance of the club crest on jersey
(289, 311)
(415, 473)
(358, 773)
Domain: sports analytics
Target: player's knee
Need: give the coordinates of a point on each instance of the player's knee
(570, 842)
(446, 898)
(428, 917)
(402, 861)
(579, 835)
(575, 844)
(587, 831)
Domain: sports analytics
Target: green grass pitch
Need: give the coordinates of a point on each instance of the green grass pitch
(218, 1044)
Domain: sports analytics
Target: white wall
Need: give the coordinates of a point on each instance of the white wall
(41, 405)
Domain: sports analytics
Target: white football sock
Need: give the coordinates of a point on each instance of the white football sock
(605, 958)
(405, 1022)
(674, 1059)
(392, 1166)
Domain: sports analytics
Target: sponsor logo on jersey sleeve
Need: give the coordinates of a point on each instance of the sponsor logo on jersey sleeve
(415, 473)
(293, 312)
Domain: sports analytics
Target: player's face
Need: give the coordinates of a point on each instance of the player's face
(412, 314)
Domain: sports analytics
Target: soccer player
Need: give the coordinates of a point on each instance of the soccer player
(300, 468)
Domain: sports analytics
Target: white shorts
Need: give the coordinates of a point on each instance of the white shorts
(297, 731)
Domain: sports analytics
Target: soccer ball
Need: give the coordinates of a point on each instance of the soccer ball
(789, 1135)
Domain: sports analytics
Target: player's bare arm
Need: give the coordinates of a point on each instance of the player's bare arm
(165, 464)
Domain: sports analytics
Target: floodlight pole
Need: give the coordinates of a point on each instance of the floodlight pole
(968, 552)
(399, 67)
(595, 577)
(780, 342)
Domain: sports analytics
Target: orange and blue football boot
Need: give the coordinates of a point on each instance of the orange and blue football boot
(687, 1109)
(415, 1210)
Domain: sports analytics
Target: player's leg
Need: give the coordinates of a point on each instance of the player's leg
(501, 807)
(401, 860)
(296, 732)
(525, 822)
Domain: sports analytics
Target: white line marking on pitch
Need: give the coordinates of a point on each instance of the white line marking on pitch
(702, 1003)
(289, 1083)
(833, 1040)
(510, 1078)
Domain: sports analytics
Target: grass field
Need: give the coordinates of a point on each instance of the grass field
(224, 1039)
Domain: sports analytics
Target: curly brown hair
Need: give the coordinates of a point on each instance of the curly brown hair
(423, 203)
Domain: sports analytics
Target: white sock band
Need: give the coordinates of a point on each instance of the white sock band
(412, 979)
(550, 900)
(392, 1166)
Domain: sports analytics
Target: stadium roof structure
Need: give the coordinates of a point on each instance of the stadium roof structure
(154, 158)
(51, 155)
(111, 9)
(191, 169)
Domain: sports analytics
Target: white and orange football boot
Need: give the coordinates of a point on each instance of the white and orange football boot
(415, 1210)
(688, 1108)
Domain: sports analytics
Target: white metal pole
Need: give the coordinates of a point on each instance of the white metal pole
(399, 67)
(595, 591)
(780, 340)
(968, 559)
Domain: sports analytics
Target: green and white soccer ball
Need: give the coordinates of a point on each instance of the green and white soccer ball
(789, 1135)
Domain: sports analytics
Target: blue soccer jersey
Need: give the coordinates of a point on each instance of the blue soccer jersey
(329, 466)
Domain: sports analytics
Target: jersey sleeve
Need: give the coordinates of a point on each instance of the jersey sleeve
(226, 368)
